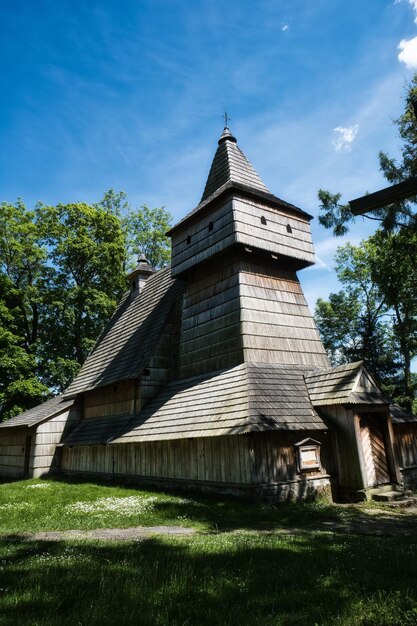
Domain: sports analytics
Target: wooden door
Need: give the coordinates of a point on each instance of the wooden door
(373, 444)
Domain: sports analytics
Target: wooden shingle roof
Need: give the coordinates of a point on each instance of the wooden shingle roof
(400, 415)
(230, 163)
(127, 343)
(350, 383)
(231, 172)
(39, 413)
(250, 397)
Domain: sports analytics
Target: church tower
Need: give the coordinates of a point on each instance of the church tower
(239, 252)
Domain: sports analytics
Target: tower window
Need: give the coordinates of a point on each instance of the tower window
(289, 229)
(210, 227)
(189, 239)
(263, 220)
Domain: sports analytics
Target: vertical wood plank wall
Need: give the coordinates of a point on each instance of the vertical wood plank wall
(117, 399)
(405, 444)
(348, 461)
(277, 326)
(275, 456)
(12, 452)
(44, 439)
(210, 326)
(218, 459)
(48, 435)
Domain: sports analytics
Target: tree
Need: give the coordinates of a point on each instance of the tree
(146, 230)
(83, 282)
(337, 216)
(393, 268)
(355, 324)
(22, 264)
(62, 272)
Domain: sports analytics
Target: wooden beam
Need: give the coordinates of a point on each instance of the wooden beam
(383, 197)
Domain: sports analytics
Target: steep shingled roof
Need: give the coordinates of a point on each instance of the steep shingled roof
(39, 413)
(127, 343)
(346, 384)
(232, 171)
(250, 397)
(230, 163)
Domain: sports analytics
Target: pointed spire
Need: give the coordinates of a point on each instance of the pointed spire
(231, 165)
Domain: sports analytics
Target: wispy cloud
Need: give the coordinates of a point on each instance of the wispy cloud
(343, 137)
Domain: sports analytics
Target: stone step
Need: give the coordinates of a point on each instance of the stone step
(385, 488)
(390, 496)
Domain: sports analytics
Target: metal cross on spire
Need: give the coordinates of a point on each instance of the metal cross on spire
(226, 119)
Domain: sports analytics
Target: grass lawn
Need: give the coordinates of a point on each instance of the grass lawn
(240, 575)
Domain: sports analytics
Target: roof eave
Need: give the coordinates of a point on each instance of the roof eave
(229, 189)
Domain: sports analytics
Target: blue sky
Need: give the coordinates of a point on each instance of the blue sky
(130, 95)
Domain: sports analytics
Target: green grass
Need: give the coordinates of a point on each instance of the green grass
(237, 577)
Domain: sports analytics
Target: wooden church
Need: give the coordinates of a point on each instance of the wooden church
(211, 373)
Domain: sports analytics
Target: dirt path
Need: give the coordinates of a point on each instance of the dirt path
(371, 522)
(137, 533)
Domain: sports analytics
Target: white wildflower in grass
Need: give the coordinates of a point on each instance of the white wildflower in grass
(133, 505)
(14, 506)
(38, 486)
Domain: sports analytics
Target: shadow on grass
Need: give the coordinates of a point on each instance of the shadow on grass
(227, 513)
(211, 580)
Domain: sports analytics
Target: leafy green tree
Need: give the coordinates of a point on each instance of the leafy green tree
(355, 323)
(393, 268)
(83, 282)
(22, 264)
(146, 230)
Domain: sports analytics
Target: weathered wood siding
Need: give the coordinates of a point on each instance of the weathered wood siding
(274, 457)
(19, 461)
(405, 444)
(215, 459)
(198, 241)
(44, 456)
(210, 325)
(119, 399)
(261, 226)
(348, 448)
(163, 365)
(277, 326)
(12, 452)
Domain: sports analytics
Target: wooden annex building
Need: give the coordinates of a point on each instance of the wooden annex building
(211, 373)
